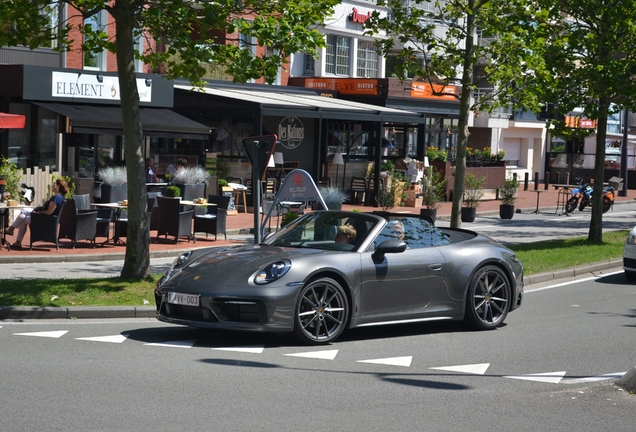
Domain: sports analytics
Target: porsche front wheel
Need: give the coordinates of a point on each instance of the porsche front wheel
(322, 312)
(488, 298)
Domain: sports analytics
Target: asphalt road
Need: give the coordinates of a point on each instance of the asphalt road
(550, 368)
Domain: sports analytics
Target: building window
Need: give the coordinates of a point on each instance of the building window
(367, 60)
(94, 60)
(338, 55)
(309, 65)
(52, 12)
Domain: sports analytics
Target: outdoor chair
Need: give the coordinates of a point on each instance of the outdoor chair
(76, 225)
(45, 227)
(214, 221)
(104, 215)
(173, 222)
(359, 189)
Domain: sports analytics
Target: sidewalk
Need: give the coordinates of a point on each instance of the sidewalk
(241, 228)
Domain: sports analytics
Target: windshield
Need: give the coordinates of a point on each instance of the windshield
(343, 231)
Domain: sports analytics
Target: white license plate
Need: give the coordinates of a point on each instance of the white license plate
(182, 299)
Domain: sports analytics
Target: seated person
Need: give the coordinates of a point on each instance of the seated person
(178, 164)
(50, 207)
(151, 176)
(346, 234)
(398, 229)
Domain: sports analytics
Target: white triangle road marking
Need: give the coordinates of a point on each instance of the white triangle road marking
(110, 339)
(547, 377)
(254, 349)
(478, 369)
(615, 375)
(175, 344)
(49, 334)
(325, 355)
(392, 361)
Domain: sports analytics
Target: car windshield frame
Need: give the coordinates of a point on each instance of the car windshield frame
(318, 230)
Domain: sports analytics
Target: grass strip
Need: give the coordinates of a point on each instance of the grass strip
(536, 257)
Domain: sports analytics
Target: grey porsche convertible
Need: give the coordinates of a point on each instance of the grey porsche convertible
(333, 270)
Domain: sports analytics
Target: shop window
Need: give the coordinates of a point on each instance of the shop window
(338, 55)
(367, 60)
(309, 65)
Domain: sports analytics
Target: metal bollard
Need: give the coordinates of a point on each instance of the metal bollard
(546, 180)
(536, 181)
(525, 181)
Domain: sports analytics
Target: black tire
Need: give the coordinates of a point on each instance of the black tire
(322, 312)
(570, 206)
(583, 204)
(630, 276)
(607, 204)
(488, 299)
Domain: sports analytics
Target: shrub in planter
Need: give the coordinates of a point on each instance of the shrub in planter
(114, 186)
(333, 197)
(173, 191)
(508, 196)
(434, 188)
(473, 192)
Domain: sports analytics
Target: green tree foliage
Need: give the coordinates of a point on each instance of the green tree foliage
(187, 32)
(590, 64)
(438, 42)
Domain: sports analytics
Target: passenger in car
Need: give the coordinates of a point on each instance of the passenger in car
(346, 234)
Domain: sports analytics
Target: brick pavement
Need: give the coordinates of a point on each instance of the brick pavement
(243, 223)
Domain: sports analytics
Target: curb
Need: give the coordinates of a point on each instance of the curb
(96, 312)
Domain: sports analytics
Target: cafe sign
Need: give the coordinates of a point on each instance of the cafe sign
(84, 86)
(291, 132)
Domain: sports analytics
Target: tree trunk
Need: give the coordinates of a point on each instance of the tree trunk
(464, 111)
(596, 223)
(137, 259)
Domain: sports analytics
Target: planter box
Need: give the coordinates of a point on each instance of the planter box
(113, 193)
(413, 202)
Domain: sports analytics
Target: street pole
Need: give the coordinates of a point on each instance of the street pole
(623, 168)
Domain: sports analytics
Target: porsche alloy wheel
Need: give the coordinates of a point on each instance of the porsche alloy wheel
(488, 300)
(322, 312)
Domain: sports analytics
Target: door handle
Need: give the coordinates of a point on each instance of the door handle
(435, 267)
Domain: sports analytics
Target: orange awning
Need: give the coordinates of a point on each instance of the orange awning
(12, 121)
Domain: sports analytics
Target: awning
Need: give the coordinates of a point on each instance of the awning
(12, 121)
(306, 103)
(107, 120)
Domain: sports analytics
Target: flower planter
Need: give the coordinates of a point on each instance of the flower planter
(506, 211)
(113, 193)
(431, 213)
(468, 214)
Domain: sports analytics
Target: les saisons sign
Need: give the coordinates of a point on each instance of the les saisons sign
(291, 132)
(87, 86)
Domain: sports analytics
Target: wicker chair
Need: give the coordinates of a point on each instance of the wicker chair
(44, 227)
(77, 225)
(104, 215)
(171, 221)
(214, 221)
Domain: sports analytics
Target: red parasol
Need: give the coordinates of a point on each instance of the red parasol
(12, 121)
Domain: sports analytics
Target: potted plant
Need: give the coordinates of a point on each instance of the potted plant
(288, 218)
(433, 192)
(114, 187)
(473, 192)
(333, 197)
(508, 196)
(192, 181)
(10, 175)
(173, 191)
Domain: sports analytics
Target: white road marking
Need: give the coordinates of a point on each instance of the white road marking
(255, 349)
(615, 375)
(110, 339)
(547, 377)
(478, 369)
(531, 290)
(392, 361)
(326, 355)
(49, 334)
(175, 344)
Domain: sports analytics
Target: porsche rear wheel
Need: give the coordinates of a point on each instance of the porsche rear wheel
(322, 312)
(488, 298)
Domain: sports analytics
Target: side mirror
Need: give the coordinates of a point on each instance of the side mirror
(388, 246)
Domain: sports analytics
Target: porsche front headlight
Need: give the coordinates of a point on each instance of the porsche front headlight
(176, 264)
(631, 239)
(272, 272)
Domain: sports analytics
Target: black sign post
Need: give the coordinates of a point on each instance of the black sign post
(259, 150)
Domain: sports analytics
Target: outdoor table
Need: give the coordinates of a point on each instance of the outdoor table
(118, 209)
(239, 192)
(563, 195)
(538, 192)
